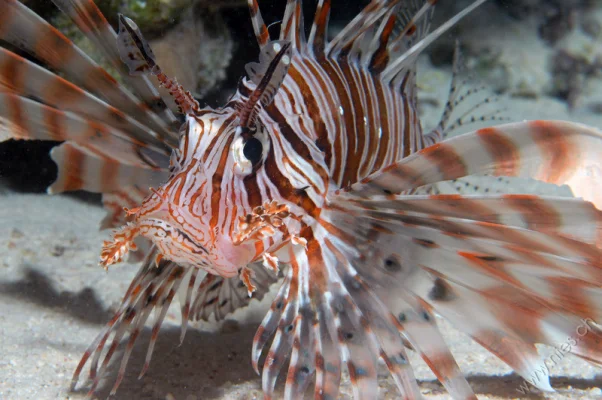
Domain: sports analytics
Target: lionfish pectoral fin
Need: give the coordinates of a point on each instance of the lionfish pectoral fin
(92, 23)
(108, 134)
(289, 319)
(508, 259)
(74, 65)
(324, 315)
(88, 175)
(557, 152)
(510, 271)
(90, 109)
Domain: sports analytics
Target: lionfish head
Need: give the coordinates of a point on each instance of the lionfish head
(215, 211)
(210, 213)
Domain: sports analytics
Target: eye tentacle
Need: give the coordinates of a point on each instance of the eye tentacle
(274, 61)
(136, 53)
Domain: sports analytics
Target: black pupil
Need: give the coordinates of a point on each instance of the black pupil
(253, 150)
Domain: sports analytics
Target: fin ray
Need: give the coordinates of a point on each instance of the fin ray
(222, 296)
(556, 152)
(46, 87)
(86, 15)
(29, 32)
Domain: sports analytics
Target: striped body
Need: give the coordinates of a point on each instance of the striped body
(357, 123)
(308, 177)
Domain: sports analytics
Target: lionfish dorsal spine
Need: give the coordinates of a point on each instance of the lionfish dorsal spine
(413, 52)
(378, 56)
(259, 28)
(318, 32)
(292, 25)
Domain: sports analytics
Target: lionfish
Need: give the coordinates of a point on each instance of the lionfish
(316, 174)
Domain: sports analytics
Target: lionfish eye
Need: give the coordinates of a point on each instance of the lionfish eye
(253, 150)
(249, 149)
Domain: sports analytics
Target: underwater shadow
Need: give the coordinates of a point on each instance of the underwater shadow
(37, 288)
(513, 386)
(206, 365)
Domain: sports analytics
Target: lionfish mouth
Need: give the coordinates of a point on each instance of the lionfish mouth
(218, 256)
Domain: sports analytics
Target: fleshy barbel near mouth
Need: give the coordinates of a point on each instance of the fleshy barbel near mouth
(155, 229)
